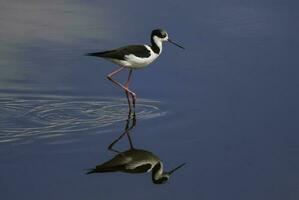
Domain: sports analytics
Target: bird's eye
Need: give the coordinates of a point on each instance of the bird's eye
(163, 34)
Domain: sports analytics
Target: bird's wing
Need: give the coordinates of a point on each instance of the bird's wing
(133, 161)
(115, 164)
(137, 50)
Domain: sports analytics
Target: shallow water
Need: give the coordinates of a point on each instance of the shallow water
(46, 116)
(227, 105)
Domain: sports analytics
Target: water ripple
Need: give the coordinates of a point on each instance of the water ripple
(47, 117)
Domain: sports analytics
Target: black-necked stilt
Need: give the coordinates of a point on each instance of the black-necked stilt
(134, 160)
(134, 57)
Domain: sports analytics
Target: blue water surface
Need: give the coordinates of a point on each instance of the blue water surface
(227, 105)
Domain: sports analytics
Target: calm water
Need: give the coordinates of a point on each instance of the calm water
(227, 105)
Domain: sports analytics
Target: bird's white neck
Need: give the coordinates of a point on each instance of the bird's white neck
(156, 45)
(157, 173)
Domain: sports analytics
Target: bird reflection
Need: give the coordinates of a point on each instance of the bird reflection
(134, 160)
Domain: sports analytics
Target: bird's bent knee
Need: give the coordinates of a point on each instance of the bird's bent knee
(134, 95)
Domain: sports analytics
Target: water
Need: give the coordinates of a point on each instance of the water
(227, 105)
(56, 116)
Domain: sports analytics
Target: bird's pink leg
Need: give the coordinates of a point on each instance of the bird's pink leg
(127, 86)
(121, 85)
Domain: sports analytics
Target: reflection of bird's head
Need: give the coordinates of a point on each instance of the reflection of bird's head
(160, 177)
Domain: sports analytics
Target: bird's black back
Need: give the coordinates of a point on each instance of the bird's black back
(138, 50)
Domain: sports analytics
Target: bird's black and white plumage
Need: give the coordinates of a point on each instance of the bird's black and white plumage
(130, 161)
(136, 56)
(136, 161)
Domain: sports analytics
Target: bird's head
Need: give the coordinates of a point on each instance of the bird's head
(160, 177)
(162, 36)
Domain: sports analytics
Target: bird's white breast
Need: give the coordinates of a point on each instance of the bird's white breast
(132, 61)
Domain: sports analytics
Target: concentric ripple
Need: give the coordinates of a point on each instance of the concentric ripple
(43, 117)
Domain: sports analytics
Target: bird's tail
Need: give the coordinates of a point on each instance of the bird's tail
(98, 54)
(90, 171)
(104, 168)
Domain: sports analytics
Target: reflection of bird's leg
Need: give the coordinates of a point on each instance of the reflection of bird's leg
(127, 86)
(121, 85)
(126, 132)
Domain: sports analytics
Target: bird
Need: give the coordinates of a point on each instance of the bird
(134, 160)
(134, 57)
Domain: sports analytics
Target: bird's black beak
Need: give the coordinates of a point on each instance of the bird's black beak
(172, 42)
(178, 167)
